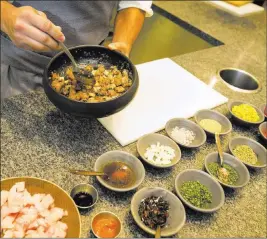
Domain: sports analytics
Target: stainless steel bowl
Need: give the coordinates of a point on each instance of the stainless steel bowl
(239, 80)
(108, 215)
(87, 188)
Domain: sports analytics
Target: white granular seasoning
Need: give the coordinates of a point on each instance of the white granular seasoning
(183, 135)
(160, 154)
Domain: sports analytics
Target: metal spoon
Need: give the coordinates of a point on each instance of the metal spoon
(86, 173)
(77, 70)
(222, 172)
(158, 232)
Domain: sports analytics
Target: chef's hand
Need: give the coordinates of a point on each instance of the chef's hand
(31, 30)
(122, 47)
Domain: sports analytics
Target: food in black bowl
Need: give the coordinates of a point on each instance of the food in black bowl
(115, 82)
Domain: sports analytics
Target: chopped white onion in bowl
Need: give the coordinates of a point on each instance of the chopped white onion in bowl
(159, 154)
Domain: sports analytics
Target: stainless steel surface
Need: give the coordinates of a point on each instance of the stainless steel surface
(161, 37)
(86, 173)
(88, 189)
(239, 80)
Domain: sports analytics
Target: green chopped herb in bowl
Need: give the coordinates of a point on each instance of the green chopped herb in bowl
(246, 154)
(196, 193)
(232, 173)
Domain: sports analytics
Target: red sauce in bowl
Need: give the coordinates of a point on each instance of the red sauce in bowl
(105, 226)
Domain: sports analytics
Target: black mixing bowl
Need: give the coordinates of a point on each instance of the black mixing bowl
(91, 55)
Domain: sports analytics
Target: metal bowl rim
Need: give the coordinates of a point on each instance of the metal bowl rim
(107, 212)
(234, 88)
(90, 185)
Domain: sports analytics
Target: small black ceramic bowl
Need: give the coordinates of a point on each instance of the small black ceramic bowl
(92, 55)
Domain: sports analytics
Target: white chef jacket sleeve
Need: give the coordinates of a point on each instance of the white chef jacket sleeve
(143, 5)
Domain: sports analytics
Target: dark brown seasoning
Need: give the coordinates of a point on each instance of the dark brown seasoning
(118, 174)
(83, 199)
(109, 83)
(154, 211)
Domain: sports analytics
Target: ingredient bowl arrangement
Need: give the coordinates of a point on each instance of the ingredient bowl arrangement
(250, 152)
(199, 191)
(158, 150)
(73, 100)
(157, 206)
(185, 132)
(237, 173)
(244, 113)
(213, 122)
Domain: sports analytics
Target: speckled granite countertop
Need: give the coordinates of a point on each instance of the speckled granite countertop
(37, 140)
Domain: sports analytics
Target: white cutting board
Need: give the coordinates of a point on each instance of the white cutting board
(240, 11)
(166, 90)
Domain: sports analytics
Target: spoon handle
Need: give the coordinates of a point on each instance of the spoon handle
(86, 173)
(66, 50)
(219, 147)
(158, 232)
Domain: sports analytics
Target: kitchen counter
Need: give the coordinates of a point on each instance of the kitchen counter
(38, 140)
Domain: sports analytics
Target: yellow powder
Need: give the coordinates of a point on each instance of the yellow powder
(246, 112)
(211, 125)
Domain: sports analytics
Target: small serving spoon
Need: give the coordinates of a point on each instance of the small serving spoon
(86, 173)
(222, 172)
(158, 232)
(78, 71)
(112, 178)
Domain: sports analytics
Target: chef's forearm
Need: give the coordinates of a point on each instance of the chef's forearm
(128, 24)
